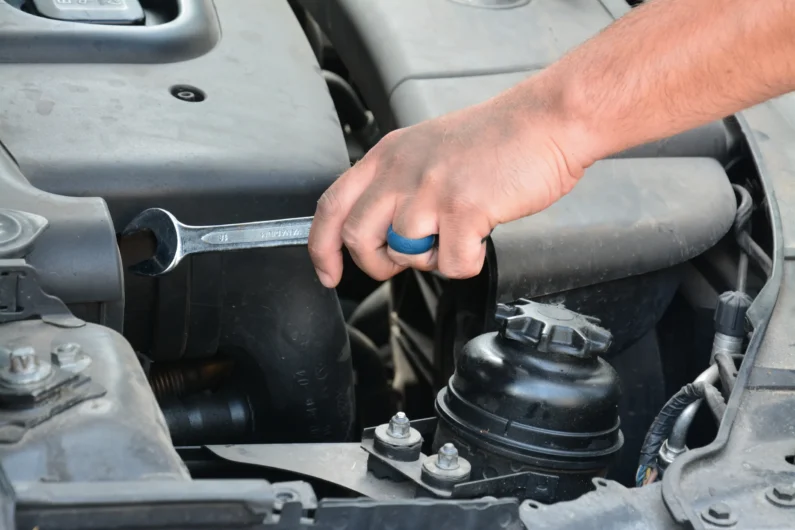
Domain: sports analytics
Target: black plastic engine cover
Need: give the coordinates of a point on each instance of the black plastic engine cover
(417, 60)
(87, 110)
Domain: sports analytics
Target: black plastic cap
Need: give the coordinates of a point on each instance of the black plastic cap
(730, 313)
(552, 328)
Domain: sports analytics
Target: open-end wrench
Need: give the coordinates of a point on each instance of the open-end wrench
(175, 240)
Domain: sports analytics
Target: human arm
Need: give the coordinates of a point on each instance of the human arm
(666, 67)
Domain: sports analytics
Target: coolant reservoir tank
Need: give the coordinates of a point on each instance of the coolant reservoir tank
(535, 396)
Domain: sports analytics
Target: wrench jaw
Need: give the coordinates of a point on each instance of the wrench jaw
(157, 265)
(168, 251)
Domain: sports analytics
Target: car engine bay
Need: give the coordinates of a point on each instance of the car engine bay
(602, 343)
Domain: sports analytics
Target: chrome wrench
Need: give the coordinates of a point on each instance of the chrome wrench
(175, 240)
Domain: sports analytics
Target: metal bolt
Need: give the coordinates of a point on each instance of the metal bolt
(720, 511)
(447, 457)
(399, 426)
(22, 361)
(719, 514)
(784, 493)
(445, 468)
(70, 357)
(24, 367)
(66, 352)
(397, 440)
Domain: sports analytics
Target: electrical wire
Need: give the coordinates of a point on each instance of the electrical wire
(727, 371)
(663, 424)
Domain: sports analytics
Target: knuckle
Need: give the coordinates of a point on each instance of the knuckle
(402, 260)
(391, 136)
(392, 162)
(424, 264)
(433, 177)
(457, 204)
(351, 234)
(329, 204)
(316, 251)
(460, 270)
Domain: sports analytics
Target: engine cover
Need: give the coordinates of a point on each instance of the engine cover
(95, 110)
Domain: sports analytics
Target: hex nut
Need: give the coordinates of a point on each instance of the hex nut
(782, 495)
(399, 426)
(386, 433)
(719, 511)
(446, 468)
(447, 457)
(70, 357)
(397, 440)
(719, 514)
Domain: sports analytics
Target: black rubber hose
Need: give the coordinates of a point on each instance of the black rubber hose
(294, 338)
(372, 315)
(202, 419)
(349, 107)
(369, 368)
(374, 394)
(663, 424)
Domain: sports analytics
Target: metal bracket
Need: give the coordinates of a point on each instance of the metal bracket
(31, 405)
(538, 486)
(21, 297)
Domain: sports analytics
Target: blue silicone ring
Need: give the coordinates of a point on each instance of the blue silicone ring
(408, 246)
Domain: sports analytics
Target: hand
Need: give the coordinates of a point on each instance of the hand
(457, 176)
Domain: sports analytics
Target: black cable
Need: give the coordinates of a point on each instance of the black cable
(715, 402)
(663, 424)
(726, 369)
(349, 107)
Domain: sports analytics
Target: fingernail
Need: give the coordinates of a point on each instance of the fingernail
(324, 278)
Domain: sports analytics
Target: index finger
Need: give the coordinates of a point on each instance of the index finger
(333, 208)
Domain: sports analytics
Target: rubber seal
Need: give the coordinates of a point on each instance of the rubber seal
(408, 246)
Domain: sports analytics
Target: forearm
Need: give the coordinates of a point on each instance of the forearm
(667, 67)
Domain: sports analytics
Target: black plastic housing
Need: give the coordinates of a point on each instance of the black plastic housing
(92, 110)
(730, 313)
(417, 60)
(510, 408)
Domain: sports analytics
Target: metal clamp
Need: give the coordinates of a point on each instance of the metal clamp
(22, 297)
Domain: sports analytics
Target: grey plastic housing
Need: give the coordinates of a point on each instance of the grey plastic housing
(417, 60)
(75, 256)
(625, 218)
(119, 436)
